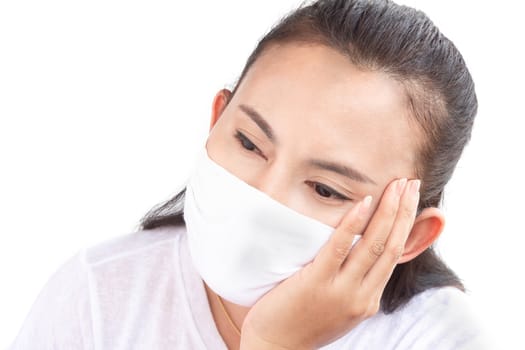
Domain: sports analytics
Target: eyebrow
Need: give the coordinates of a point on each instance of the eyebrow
(342, 170)
(260, 121)
(346, 171)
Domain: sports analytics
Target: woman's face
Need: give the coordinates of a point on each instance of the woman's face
(314, 132)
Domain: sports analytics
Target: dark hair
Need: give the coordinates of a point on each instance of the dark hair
(403, 43)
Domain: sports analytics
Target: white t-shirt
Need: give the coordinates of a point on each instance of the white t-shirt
(141, 291)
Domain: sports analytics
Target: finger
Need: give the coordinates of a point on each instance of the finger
(380, 273)
(335, 251)
(372, 245)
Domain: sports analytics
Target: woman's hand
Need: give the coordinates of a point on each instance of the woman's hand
(340, 287)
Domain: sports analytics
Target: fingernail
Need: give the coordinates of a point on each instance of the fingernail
(401, 185)
(414, 186)
(365, 205)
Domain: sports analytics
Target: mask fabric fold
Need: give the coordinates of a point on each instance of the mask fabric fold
(243, 242)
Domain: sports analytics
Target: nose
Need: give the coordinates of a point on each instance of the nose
(275, 181)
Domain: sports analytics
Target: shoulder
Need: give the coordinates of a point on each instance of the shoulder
(60, 316)
(441, 318)
(132, 245)
(438, 318)
(133, 270)
(96, 280)
(132, 264)
(449, 303)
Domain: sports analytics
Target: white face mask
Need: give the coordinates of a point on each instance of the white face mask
(243, 242)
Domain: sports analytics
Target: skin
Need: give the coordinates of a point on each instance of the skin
(321, 106)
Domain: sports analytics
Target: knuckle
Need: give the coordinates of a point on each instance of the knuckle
(394, 208)
(357, 310)
(372, 309)
(350, 229)
(340, 252)
(388, 208)
(363, 308)
(396, 251)
(406, 213)
(377, 248)
(391, 210)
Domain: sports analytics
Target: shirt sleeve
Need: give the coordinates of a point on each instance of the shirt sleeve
(60, 318)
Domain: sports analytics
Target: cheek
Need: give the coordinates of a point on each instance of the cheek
(226, 151)
(334, 216)
(305, 203)
(330, 214)
(218, 145)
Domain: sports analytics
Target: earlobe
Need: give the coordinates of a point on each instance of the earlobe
(426, 229)
(220, 102)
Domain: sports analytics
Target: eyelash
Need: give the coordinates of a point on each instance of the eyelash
(336, 195)
(248, 145)
(243, 141)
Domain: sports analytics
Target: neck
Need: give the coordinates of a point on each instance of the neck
(237, 313)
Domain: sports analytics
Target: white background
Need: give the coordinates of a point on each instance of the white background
(104, 104)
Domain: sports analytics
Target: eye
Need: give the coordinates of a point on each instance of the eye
(327, 192)
(247, 144)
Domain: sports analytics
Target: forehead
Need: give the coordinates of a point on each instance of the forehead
(319, 103)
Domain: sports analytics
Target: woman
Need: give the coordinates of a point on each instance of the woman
(310, 217)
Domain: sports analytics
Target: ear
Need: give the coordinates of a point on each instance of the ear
(426, 229)
(219, 104)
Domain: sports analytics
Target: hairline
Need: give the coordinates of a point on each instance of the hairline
(414, 89)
